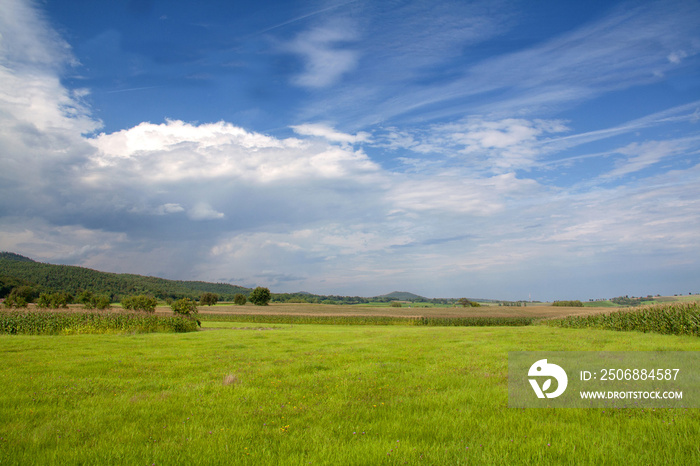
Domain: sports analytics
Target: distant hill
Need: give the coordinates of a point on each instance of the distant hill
(14, 257)
(403, 296)
(72, 279)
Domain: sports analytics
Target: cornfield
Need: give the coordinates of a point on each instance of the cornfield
(666, 318)
(41, 322)
(369, 320)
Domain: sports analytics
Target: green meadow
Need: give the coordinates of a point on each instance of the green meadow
(256, 393)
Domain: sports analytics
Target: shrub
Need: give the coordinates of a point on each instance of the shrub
(395, 304)
(575, 303)
(140, 303)
(260, 296)
(239, 299)
(184, 306)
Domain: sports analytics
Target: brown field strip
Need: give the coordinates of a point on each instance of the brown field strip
(346, 310)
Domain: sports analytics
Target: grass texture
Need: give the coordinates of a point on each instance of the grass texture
(259, 394)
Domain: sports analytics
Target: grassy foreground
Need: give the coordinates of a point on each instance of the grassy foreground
(244, 393)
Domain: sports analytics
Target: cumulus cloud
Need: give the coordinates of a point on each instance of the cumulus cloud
(176, 150)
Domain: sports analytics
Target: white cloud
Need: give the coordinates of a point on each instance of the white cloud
(677, 57)
(31, 54)
(450, 193)
(170, 208)
(176, 150)
(499, 146)
(327, 57)
(634, 45)
(203, 211)
(330, 134)
(639, 156)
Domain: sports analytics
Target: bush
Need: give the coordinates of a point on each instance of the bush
(395, 304)
(184, 306)
(576, 303)
(260, 296)
(239, 299)
(140, 303)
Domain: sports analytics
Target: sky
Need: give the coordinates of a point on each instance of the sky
(486, 149)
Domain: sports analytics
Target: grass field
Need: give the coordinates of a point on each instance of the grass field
(314, 394)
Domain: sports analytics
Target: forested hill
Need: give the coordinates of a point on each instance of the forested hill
(403, 296)
(49, 277)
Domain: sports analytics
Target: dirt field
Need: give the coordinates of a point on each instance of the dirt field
(345, 310)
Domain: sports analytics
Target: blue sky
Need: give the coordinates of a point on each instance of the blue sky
(495, 149)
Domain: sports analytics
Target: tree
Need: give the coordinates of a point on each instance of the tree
(239, 299)
(184, 306)
(208, 299)
(15, 300)
(54, 300)
(85, 297)
(23, 292)
(102, 302)
(260, 296)
(140, 303)
(464, 302)
(92, 301)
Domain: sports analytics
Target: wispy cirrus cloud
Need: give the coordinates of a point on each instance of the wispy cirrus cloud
(326, 53)
(329, 133)
(633, 45)
(638, 156)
